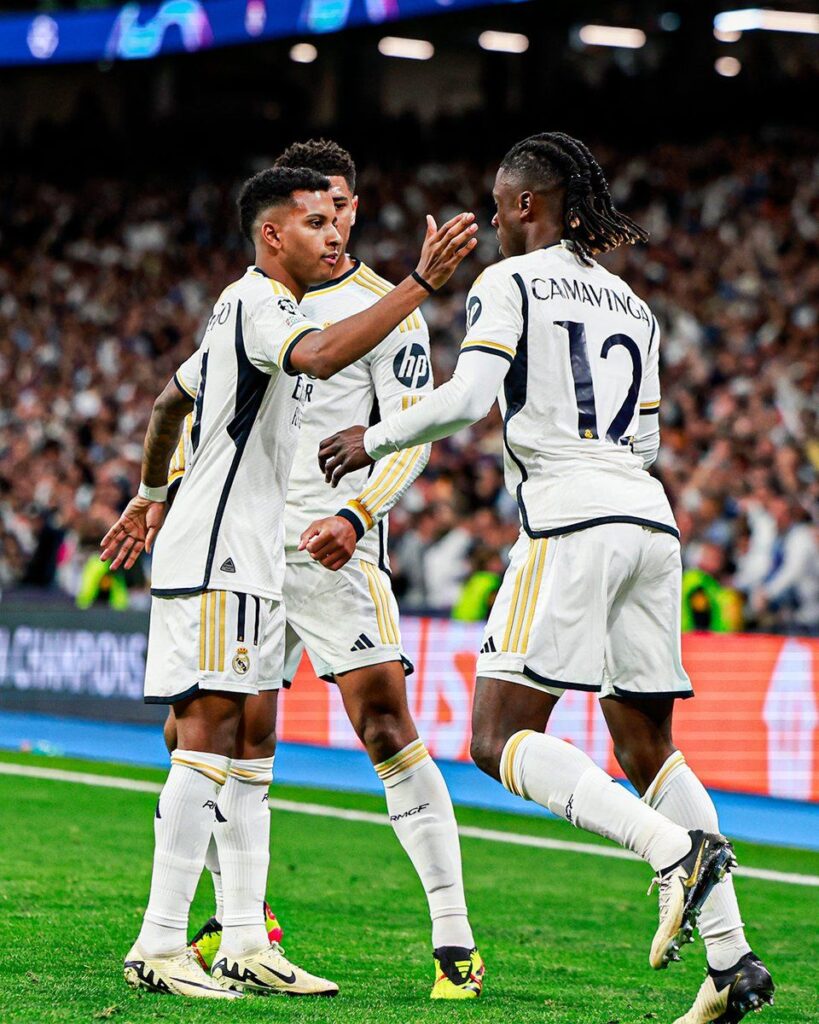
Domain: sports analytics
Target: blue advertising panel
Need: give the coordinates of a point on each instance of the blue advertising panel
(138, 31)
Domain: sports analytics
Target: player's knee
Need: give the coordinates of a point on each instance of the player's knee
(384, 735)
(641, 763)
(259, 745)
(485, 750)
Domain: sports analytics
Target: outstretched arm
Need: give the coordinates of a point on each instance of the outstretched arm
(137, 527)
(465, 398)
(323, 353)
(401, 370)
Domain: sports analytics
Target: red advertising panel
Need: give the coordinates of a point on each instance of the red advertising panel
(752, 727)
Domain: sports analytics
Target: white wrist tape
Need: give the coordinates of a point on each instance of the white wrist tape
(153, 493)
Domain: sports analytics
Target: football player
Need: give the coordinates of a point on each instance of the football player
(591, 598)
(341, 605)
(217, 619)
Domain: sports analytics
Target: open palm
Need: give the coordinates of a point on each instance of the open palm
(133, 532)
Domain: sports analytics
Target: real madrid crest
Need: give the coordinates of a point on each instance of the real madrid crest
(241, 661)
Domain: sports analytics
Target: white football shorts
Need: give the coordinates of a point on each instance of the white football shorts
(597, 610)
(216, 640)
(346, 619)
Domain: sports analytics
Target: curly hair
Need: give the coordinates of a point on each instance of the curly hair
(322, 155)
(590, 220)
(275, 187)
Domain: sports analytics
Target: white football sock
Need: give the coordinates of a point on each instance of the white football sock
(557, 775)
(677, 793)
(183, 824)
(212, 864)
(421, 814)
(242, 832)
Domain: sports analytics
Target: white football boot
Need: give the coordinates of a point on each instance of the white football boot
(684, 887)
(268, 972)
(725, 997)
(177, 974)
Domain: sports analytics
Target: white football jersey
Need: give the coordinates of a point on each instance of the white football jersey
(584, 371)
(225, 529)
(390, 377)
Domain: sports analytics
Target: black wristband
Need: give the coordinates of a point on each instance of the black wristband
(353, 520)
(424, 284)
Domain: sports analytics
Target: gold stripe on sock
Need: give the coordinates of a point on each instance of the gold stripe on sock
(208, 770)
(409, 749)
(507, 765)
(405, 759)
(260, 777)
(404, 766)
(672, 761)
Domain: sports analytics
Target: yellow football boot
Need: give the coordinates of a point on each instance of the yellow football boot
(458, 973)
(205, 944)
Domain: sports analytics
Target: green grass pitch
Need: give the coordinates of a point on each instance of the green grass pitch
(565, 936)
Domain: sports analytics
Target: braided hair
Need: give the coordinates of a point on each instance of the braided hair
(590, 220)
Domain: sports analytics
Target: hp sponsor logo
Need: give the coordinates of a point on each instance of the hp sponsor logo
(411, 366)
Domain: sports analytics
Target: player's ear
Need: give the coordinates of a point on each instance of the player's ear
(525, 204)
(270, 234)
(354, 205)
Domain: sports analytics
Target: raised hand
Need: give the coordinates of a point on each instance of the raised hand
(331, 542)
(446, 247)
(343, 453)
(134, 532)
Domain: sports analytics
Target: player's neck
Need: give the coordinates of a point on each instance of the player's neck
(542, 237)
(277, 272)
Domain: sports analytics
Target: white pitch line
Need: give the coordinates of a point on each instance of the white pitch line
(371, 818)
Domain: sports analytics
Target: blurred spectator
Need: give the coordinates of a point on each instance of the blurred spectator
(105, 289)
(707, 604)
(481, 588)
(781, 575)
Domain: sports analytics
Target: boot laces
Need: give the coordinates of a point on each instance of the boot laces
(663, 882)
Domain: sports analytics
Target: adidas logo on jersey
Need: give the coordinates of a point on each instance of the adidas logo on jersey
(489, 647)
(362, 643)
(227, 566)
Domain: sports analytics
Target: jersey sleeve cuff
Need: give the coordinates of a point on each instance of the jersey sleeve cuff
(375, 442)
(287, 350)
(182, 388)
(492, 348)
(650, 408)
(354, 517)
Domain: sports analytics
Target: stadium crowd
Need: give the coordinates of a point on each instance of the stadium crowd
(105, 289)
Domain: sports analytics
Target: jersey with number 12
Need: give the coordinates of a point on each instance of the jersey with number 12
(583, 382)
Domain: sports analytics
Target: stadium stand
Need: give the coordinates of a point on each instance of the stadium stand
(123, 277)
